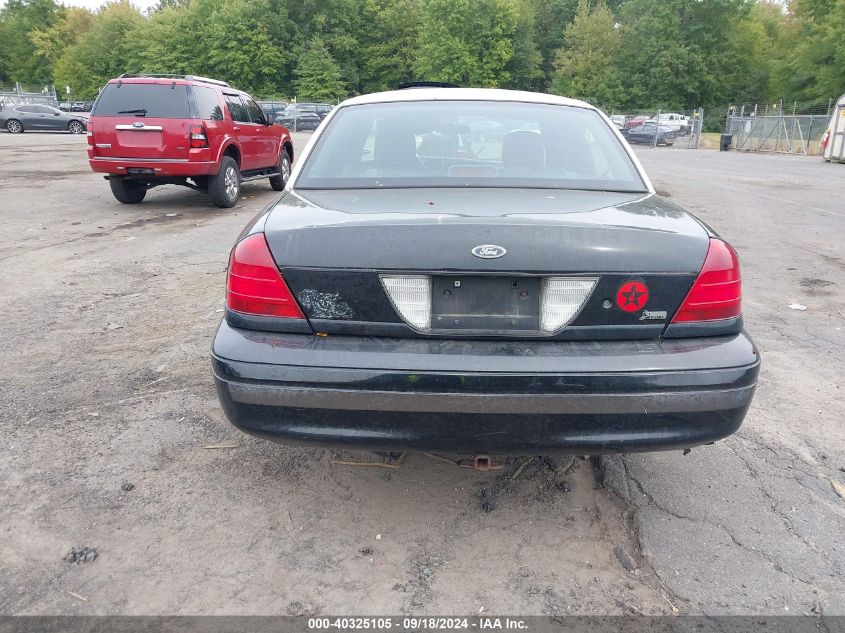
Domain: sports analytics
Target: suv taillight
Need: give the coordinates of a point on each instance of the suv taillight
(254, 285)
(198, 136)
(717, 291)
(90, 137)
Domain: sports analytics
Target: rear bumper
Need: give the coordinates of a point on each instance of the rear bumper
(162, 169)
(484, 396)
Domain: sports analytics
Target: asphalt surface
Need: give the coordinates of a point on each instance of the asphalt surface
(125, 491)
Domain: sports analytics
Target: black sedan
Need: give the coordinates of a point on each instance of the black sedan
(533, 297)
(298, 120)
(320, 109)
(650, 133)
(272, 109)
(21, 118)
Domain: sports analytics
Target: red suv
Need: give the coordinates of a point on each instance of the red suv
(150, 130)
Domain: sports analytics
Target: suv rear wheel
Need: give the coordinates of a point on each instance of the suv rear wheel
(278, 182)
(127, 191)
(225, 186)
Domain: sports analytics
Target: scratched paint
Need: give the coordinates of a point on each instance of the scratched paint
(324, 305)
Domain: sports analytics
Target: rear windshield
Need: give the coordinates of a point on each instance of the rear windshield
(163, 101)
(469, 144)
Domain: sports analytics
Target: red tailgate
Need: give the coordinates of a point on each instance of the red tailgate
(142, 120)
(122, 137)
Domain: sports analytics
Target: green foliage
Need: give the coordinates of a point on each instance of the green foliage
(101, 54)
(686, 53)
(466, 41)
(318, 75)
(586, 67)
(631, 54)
(52, 41)
(814, 52)
(390, 35)
(526, 64)
(240, 45)
(20, 60)
(160, 45)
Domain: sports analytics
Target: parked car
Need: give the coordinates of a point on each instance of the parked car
(151, 130)
(646, 132)
(65, 106)
(538, 297)
(678, 122)
(32, 117)
(272, 109)
(298, 119)
(321, 109)
(618, 120)
(635, 121)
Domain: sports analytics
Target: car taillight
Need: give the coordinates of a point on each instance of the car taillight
(198, 136)
(254, 285)
(90, 137)
(717, 291)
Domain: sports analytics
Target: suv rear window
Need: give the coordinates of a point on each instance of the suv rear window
(163, 101)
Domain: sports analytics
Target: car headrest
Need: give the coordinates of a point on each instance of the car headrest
(523, 149)
(394, 144)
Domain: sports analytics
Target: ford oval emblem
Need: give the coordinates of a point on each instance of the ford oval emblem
(488, 251)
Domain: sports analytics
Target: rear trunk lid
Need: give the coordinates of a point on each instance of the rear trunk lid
(335, 248)
(142, 120)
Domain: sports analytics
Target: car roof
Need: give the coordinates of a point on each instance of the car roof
(464, 94)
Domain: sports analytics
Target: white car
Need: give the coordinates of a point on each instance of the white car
(618, 120)
(678, 122)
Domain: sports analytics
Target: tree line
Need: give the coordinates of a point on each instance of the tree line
(618, 54)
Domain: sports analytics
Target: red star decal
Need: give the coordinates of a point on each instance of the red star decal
(632, 296)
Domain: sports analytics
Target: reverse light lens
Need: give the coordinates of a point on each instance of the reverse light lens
(717, 291)
(562, 298)
(411, 296)
(254, 285)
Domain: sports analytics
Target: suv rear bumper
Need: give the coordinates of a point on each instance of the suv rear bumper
(484, 396)
(162, 168)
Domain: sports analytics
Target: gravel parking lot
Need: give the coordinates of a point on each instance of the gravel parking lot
(109, 416)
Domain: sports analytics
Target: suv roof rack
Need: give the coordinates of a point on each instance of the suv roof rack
(206, 80)
(427, 84)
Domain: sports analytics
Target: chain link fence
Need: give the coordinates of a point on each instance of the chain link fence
(18, 94)
(672, 128)
(778, 127)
